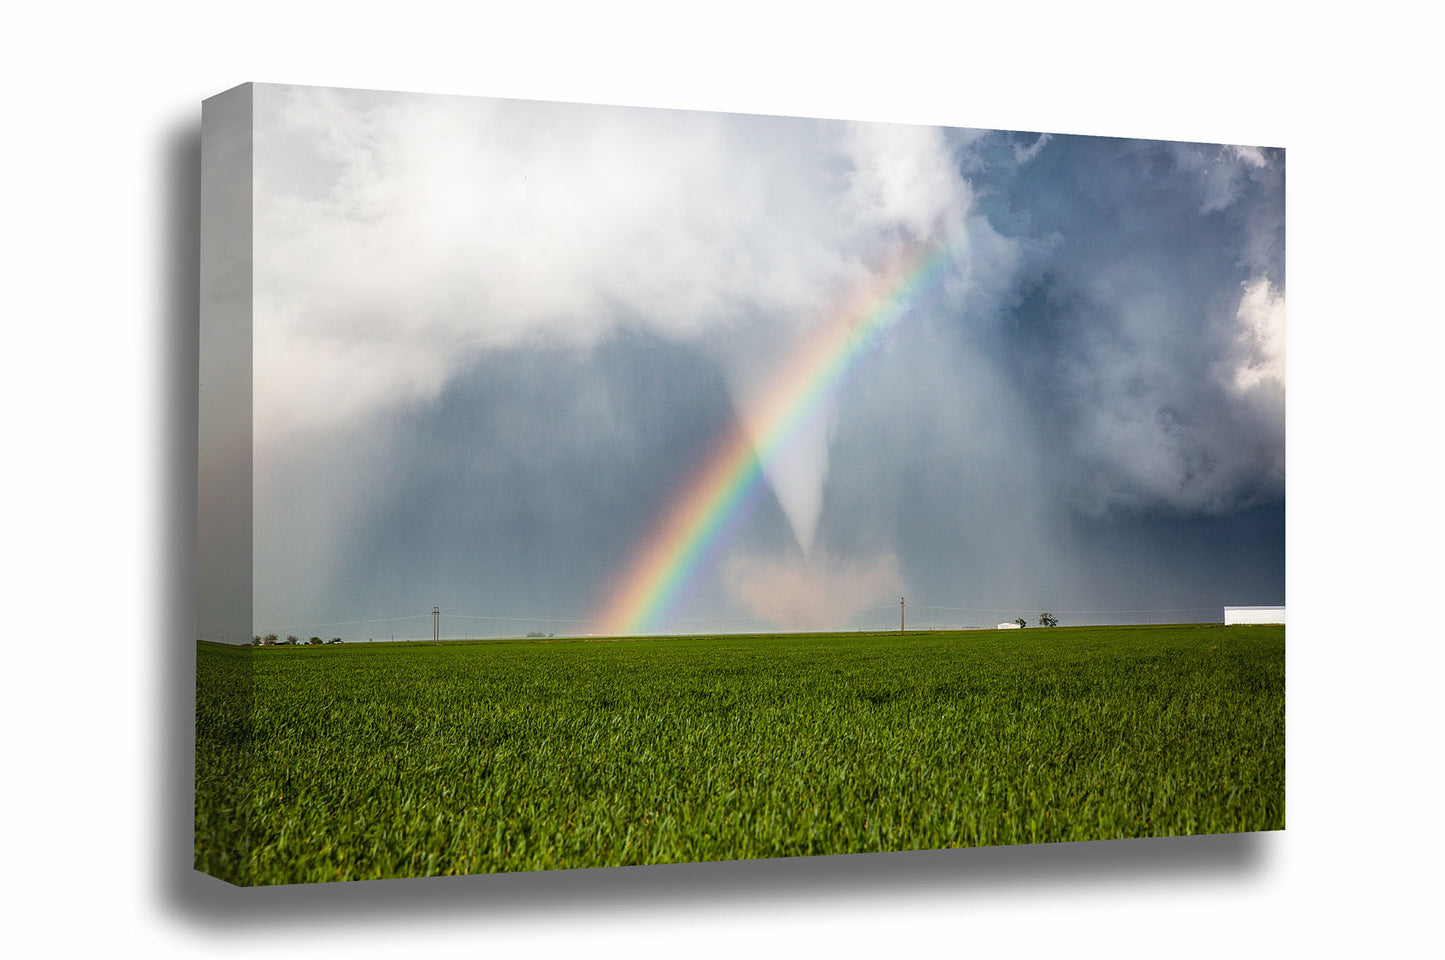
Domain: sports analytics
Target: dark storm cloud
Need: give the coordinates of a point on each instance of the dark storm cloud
(1185, 566)
(517, 493)
(1081, 408)
(1131, 341)
(486, 367)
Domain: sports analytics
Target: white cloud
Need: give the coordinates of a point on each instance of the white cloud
(1023, 154)
(903, 176)
(1260, 335)
(1222, 172)
(439, 224)
(397, 236)
(1252, 156)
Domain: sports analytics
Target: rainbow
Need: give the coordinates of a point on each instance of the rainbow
(722, 491)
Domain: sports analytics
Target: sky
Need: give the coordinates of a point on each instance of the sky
(575, 369)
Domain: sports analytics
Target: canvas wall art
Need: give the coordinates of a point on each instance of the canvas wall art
(584, 486)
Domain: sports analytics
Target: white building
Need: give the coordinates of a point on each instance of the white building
(1233, 615)
(1009, 626)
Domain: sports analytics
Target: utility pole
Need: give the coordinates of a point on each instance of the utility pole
(900, 615)
(436, 625)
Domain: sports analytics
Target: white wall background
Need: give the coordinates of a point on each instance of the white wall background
(101, 108)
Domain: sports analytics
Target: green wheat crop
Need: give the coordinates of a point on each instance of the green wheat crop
(365, 761)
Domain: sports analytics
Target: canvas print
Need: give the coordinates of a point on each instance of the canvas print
(586, 486)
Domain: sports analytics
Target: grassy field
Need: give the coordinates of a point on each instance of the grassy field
(361, 761)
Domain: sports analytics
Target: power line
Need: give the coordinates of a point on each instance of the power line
(922, 606)
(340, 623)
(427, 616)
(467, 616)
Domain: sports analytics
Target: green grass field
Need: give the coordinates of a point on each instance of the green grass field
(362, 761)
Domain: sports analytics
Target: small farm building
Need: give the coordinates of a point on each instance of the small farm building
(1009, 626)
(1233, 615)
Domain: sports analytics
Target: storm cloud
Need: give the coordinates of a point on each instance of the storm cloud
(493, 339)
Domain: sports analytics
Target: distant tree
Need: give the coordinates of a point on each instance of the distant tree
(1021, 622)
(291, 639)
(335, 639)
(314, 640)
(269, 639)
(1048, 620)
(256, 641)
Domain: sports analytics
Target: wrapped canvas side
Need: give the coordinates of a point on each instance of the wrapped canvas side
(224, 501)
